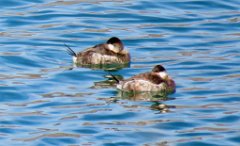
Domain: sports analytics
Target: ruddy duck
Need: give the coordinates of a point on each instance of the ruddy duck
(157, 80)
(111, 52)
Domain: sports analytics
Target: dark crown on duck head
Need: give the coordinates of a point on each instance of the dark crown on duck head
(116, 42)
(158, 68)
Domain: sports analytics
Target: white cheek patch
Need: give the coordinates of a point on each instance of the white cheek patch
(163, 75)
(112, 48)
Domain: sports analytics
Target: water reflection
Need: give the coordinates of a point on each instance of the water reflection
(156, 99)
(155, 105)
(109, 82)
(143, 96)
(161, 107)
(106, 67)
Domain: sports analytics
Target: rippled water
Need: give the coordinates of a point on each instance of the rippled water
(44, 101)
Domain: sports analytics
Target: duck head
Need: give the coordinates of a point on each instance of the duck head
(161, 71)
(115, 44)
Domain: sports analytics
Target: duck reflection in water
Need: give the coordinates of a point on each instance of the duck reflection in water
(156, 102)
(161, 107)
(109, 82)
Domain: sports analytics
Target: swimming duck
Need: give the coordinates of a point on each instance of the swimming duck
(111, 52)
(157, 80)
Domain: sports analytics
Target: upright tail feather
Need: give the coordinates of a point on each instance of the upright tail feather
(117, 80)
(70, 51)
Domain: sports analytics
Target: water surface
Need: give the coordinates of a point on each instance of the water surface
(44, 101)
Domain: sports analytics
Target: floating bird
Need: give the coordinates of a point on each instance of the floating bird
(111, 52)
(157, 80)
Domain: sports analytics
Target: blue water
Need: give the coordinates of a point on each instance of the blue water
(45, 101)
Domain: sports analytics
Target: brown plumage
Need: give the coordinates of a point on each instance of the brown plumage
(157, 80)
(111, 52)
(149, 76)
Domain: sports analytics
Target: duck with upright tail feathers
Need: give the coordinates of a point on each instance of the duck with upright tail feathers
(157, 80)
(111, 52)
